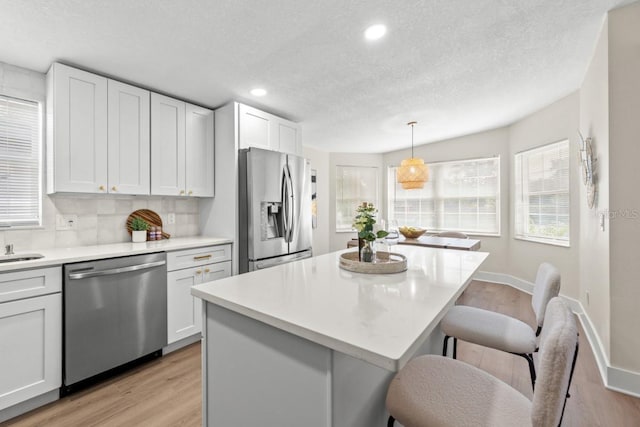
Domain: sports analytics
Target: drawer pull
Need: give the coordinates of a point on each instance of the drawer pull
(201, 257)
(206, 270)
(198, 271)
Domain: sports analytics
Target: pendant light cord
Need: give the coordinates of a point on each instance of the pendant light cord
(412, 124)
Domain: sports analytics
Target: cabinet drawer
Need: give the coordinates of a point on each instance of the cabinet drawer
(29, 283)
(197, 257)
(216, 271)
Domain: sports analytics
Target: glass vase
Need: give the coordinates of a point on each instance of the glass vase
(366, 253)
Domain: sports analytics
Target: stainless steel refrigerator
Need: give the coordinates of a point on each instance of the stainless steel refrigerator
(275, 209)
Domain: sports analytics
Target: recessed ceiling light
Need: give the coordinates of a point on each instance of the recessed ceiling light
(375, 32)
(258, 92)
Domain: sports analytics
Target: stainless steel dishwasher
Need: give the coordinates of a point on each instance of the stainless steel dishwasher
(115, 311)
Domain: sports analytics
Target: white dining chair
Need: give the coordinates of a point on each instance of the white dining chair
(499, 331)
(436, 391)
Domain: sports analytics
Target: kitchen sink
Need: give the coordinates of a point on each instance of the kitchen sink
(19, 257)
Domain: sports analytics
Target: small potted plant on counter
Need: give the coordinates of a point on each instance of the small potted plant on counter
(364, 221)
(139, 229)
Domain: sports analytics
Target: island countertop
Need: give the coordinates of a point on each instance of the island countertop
(378, 318)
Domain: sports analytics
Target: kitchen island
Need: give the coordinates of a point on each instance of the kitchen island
(308, 343)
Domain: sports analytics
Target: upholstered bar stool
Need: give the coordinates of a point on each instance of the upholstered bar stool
(436, 391)
(499, 331)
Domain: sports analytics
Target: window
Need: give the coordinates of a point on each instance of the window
(459, 196)
(542, 194)
(20, 171)
(354, 185)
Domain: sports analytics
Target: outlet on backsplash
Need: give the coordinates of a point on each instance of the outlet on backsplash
(66, 222)
(171, 218)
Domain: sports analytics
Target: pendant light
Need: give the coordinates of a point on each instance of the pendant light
(412, 173)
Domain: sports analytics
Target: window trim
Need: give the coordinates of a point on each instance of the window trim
(537, 239)
(498, 194)
(40, 102)
(375, 203)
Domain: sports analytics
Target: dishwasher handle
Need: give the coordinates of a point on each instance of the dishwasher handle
(111, 271)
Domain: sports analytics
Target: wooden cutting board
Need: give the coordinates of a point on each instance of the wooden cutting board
(152, 218)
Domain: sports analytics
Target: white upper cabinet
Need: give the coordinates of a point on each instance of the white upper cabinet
(105, 136)
(199, 152)
(181, 148)
(255, 128)
(76, 131)
(264, 130)
(167, 146)
(289, 137)
(129, 150)
(97, 134)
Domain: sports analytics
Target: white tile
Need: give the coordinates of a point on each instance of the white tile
(182, 205)
(65, 205)
(66, 239)
(155, 204)
(168, 204)
(106, 206)
(43, 239)
(124, 207)
(20, 239)
(88, 222)
(139, 203)
(88, 237)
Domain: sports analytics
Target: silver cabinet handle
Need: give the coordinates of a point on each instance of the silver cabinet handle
(76, 276)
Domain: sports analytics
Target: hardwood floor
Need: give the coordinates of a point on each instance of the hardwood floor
(163, 392)
(167, 391)
(590, 404)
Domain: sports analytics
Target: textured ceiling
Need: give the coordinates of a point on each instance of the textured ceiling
(455, 66)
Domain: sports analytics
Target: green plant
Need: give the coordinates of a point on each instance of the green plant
(364, 222)
(139, 224)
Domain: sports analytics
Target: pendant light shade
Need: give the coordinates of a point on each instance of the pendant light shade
(412, 173)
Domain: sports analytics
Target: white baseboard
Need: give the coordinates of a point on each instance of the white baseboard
(617, 379)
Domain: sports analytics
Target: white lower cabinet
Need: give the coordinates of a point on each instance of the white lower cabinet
(184, 311)
(30, 338)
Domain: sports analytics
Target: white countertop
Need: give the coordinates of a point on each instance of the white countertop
(381, 319)
(58, 256)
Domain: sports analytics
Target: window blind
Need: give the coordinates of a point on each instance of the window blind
(20, 171)
(354, 185)
(459, 196)
(542, 194)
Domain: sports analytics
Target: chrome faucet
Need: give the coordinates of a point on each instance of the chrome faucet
(8, 249)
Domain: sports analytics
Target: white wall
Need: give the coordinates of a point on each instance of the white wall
(557, 122)
(484, 144)
(101, 218)
(339, 241)
(594, 243)
(624, 195)
(320, 162)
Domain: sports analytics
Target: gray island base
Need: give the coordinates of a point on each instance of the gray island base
(309, 344)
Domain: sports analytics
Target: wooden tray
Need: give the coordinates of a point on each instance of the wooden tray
(385, 263)
(152, 218)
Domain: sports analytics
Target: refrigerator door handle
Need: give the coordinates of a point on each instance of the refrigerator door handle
(285, 203)
(290, 205)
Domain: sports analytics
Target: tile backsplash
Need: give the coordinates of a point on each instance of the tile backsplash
(101, 220)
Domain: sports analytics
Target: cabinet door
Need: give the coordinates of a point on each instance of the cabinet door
(255, 129)
(199, 152)
(184, 311)
(129, 151)
(289, 140)
(30, 348)
(80, 130)
(167, 146)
